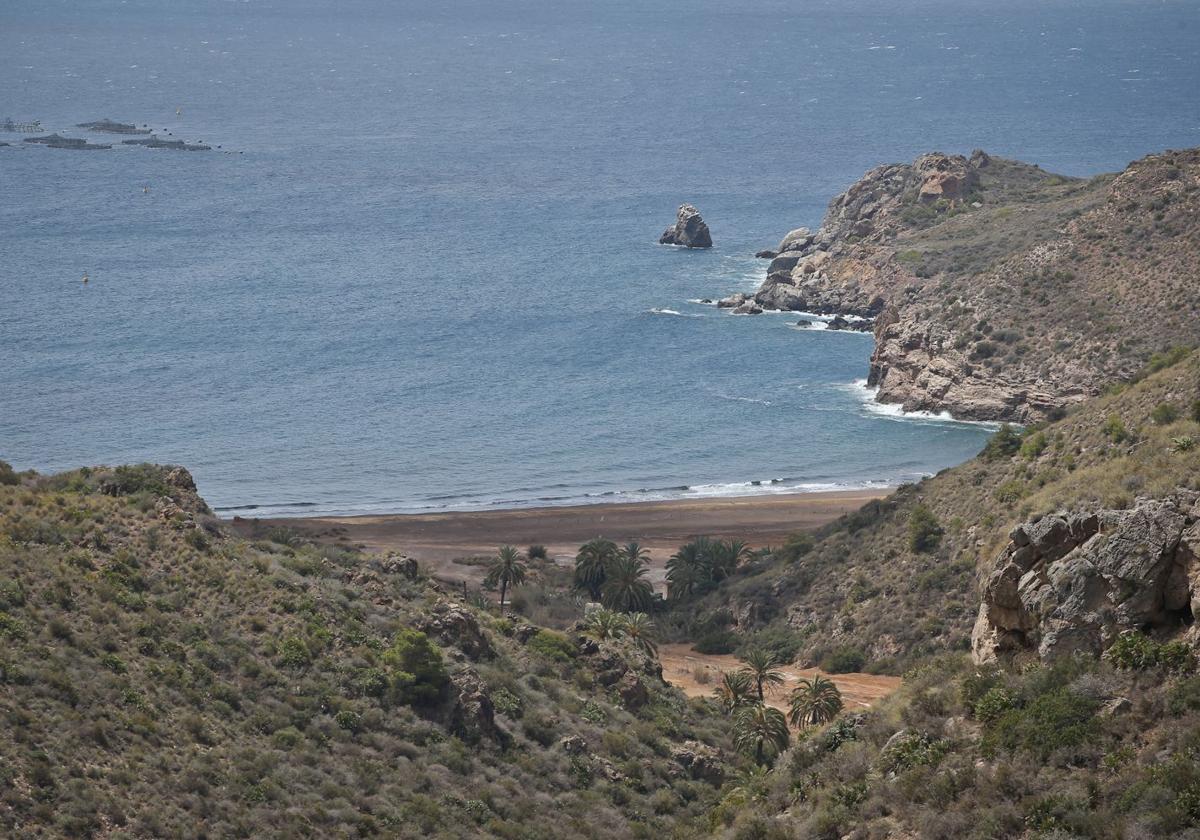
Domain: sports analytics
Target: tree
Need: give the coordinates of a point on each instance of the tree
(759, 666)
(507, 569)
(604, 624)
(417, 674)
(1003, 444)
(814, 702)
(760, 731)
(924, 531)
(625, 586)
(640, 630)
(701, 564)
(591, 565)
(736, 690)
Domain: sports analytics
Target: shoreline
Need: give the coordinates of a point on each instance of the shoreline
(437, 539)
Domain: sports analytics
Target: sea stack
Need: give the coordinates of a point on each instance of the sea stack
(689, 230)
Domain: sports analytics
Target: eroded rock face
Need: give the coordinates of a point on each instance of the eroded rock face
(702, 762)
(472, 714)
(1072, 583)
(689, 230)
(455, 626)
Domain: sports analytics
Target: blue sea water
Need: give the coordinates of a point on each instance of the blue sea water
(421, 270)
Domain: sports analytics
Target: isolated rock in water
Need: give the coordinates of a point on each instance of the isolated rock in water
(766, 255)
(689, 230)
(1073, 582)
(857, 325)
(748, 308)
(736, 299)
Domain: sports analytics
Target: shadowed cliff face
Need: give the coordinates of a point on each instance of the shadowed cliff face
(1000, 291)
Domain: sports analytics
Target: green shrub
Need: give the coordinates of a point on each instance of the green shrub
(845, 660)
(1184, 696)
(1164, 414)
(1003, 444)
(8, 477)
(537, 552)
(716, 642)
(994, 704)
(552, 645)
(1052, 721)
(1114, 429)
(418, 674)
(924, 531)
(11, 628)
(1134, 651)
(294, 653)
(1033, 446)
(348, 720)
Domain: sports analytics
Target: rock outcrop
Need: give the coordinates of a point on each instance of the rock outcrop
(454, 625)
(1073, 582)
(1000, 291)
(689, 230)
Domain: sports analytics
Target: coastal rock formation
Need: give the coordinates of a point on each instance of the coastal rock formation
(1073, 582)
(998, 290)
(689, 230)
(57, 141)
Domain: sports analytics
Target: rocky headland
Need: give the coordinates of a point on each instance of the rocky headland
(689, 230)
(1000, 291)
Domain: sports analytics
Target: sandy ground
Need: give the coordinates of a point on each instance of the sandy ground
(436, 539)
(681, 664)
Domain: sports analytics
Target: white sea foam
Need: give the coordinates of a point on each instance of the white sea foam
(664, 311)
(892, 411)
(736, 398)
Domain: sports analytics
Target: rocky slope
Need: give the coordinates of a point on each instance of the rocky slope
(1000, 291)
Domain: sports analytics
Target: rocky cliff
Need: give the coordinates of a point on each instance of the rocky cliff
(1001, 291)
(1071, 583)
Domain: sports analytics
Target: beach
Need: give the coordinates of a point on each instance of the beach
(437, 539)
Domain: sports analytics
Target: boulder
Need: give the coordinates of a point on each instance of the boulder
(689, 230)
(783, 264)
(472, 714)
(454, 625)
(1071, 583)
(765, 255)
(632, 691)
(796, 240)
(857, 325)
(702, 762)
(748, 308)
(736, 299)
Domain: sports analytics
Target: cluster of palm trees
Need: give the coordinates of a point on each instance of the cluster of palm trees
(701, 564)
(614, 575)
(637, 627)
(760, 730)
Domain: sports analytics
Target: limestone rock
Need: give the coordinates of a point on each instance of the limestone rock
(454, 625)
(734, 300)
(689, 230)
(702, 762)
(472, 714)
(1071, 583)
(796, 240)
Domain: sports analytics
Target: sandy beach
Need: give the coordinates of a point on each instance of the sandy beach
(436, 539)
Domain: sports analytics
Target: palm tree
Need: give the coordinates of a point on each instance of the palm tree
(604, 624)
(726, 556)
(760, 731)
(625, 587)
(640, 630)
(507, 569)
(689, 571)
(591, 565)
(814, 702)
(760, 667)
(736, 690)
(634, 551)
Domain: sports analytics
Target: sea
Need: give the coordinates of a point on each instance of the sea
(418, 269)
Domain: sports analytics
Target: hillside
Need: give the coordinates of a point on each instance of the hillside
(160, 677)
(866, 590)
(1001, 291)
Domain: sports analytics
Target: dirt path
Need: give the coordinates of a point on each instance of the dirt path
(681, 664)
